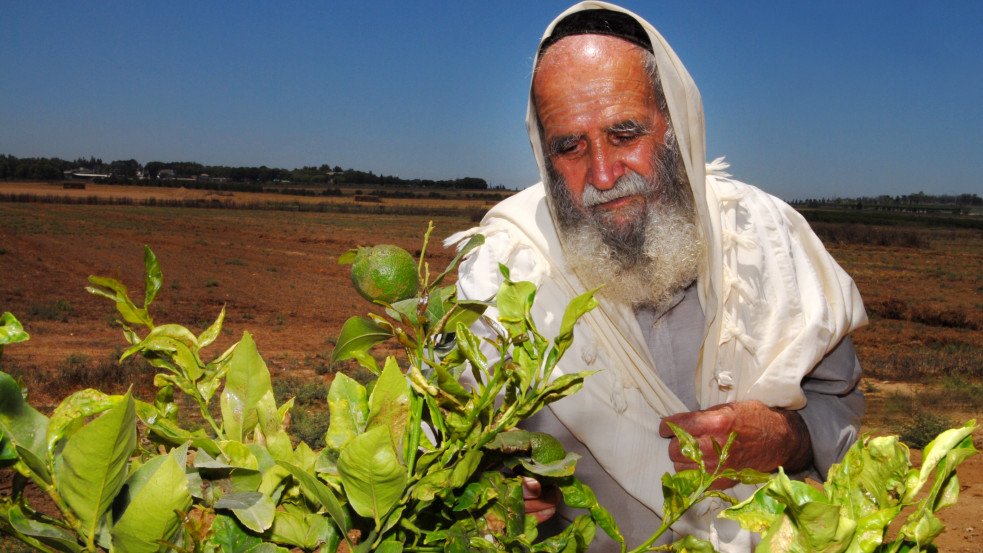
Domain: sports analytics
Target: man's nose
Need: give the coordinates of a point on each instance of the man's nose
(605, 167)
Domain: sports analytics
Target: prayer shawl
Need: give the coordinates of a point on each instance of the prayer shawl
(775, 303)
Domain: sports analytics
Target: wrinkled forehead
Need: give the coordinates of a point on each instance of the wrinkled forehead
(597, 22)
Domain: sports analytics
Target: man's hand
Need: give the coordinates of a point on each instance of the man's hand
(766, 437)
(539, 502)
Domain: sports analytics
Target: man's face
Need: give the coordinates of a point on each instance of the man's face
(600, 122)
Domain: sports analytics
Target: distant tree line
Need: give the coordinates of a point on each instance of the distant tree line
(920, 202)
(130, 171)
(432, 209)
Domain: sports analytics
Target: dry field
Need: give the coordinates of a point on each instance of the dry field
(276, 274)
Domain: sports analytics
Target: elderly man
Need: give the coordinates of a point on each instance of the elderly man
(720, 310)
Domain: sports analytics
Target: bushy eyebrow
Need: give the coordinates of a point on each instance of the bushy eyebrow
(631, 126)
(559, 144)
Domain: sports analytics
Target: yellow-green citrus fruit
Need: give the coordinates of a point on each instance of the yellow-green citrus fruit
(546, 449)
(385, 273)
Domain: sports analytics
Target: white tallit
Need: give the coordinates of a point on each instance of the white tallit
(775, 303)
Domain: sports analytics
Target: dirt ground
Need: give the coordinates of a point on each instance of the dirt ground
(274, 272)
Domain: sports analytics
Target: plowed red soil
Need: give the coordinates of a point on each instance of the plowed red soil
(275, 272)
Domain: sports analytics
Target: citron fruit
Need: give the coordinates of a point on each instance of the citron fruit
(385, 273)
(546, 449)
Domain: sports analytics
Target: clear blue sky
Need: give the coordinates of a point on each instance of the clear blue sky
(805, 100)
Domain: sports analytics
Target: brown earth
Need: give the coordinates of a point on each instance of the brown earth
(276, 274)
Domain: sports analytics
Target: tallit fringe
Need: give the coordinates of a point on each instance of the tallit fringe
(618, 399)
(733, 195)
(732, 283)
(732, 331)
(717, 166)
(731, 239)
(458, 239)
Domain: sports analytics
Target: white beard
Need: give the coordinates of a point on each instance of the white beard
(647, 260)
(668, 262)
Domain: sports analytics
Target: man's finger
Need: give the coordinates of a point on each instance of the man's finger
(540, 502)
(688, 421)
(543, 515)
(531, 488)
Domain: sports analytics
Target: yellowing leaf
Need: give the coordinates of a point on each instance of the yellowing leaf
(246, 383)
(151, 514)
(370, 471)
(92, 467)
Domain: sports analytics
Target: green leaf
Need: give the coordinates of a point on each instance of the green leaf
(405, 310)
(271, 424)
(464, 468)
(173, 342)
(463, 312)
(691, 544)
(433, 484)
(514, 301)
(450, 385)
(574, 538)
(389, 403)
(872, 528)
(229, 537)
(73, 410)
(164, 402)
(438, 304)
(471, 244)
(560, 388)
(348, 257)
(558, 468)
(22, 425)
(757, 512)
(370, 471)
(11, 330)
(53, 536)
(320, 494)
(525, 366)
(152, 512)
(130, 312)
(514, 440)
(576, 309)
(253, 509)
(390, 546)
(480, 491)
(239, 454)
(170, 432)
(922, 528)
(154, 278)
(578, 495)
(936, 451)
(304, 530)
(348, 410)
(92, 467)
(470, 346)
(357, 336)
(821, 526)
(246, 384)
(212, 332)
(805, 520)
(688, 445)
(871, 477)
